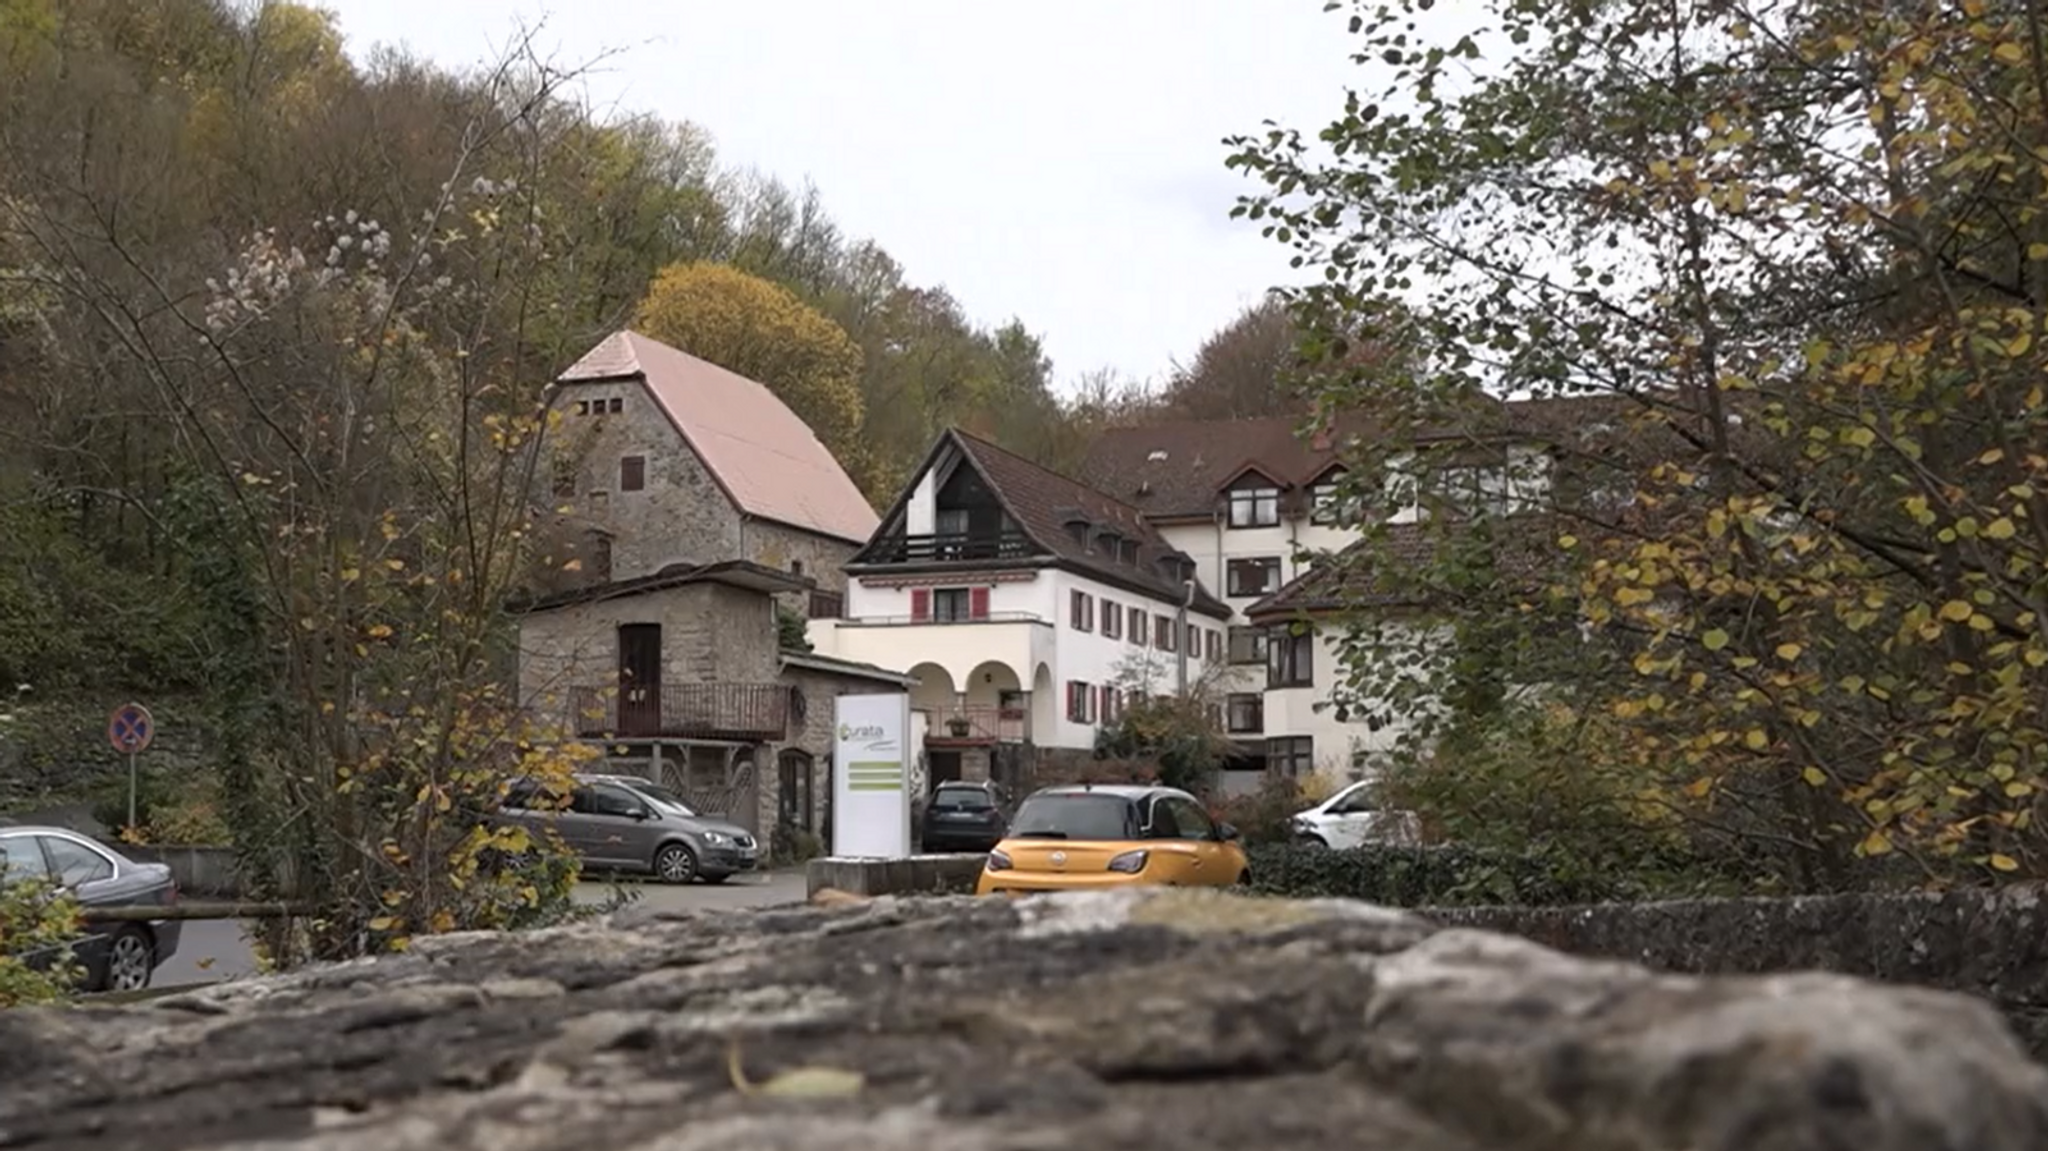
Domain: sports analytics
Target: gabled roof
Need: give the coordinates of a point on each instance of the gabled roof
(1042, 501)
(1523, 546)
(1179, 468)
(832, 665)
(768, 461)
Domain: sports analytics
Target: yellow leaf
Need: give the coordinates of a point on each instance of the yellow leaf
(1861, 437)
(2037, 251)
(1992, 456)
(351, 575)
(2019, 344)
(1789, 651)
(1699, 788)
(380, 631)
(383, 923)
(1814, 776)
(797, 1083)
(1957, 610)
(1999, 529)
(395, 565)
(573, 566)
(2018, 790)
(2005, 863)
(1876, 843)
(1567, 542)
(1756, 739)
(1714, 639)
(2009, 52)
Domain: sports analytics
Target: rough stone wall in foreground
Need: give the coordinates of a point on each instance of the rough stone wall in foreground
(1992, 944)
(1168, 1018)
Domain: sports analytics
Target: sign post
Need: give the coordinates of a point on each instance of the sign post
(129, 730)
(871, 775)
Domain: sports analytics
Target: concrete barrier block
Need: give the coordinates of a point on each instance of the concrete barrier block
(909, 875)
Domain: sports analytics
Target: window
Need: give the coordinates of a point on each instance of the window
(600, 503)
(76, 863)
(1253, 577)
(827, 605)
(1212, 646)
(1328, 506)
(1293, 757)
(796, 567)
(601, 558)
(1106, 703)
(1244, 712)
(1247, 644)
(1080, 701)
(1291, 661)
(948, 604)
(616, 405)
(1162, 632)
(1159, 821)
(1137, 621)
(21, 858)
(632, 473)
(606, 800)
(1254, 503)
(1081, 610)
(1010, 702)
(1189, 818)
(951, 604)
(1112, 621)
(1127, 551)
(565, 477)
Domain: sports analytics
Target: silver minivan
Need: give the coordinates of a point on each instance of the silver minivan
(625, 823)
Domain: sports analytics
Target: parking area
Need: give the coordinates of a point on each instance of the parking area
(214, 949)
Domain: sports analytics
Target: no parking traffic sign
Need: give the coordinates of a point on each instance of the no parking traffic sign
(130, 728)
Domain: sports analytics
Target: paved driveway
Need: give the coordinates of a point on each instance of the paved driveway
(214, 949)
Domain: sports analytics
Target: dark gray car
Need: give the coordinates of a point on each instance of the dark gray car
(624, 823)
(116, 956)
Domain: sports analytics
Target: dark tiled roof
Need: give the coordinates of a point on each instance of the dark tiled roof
(733, 573)
(1349, 579)
(1041, 500)
(1177, 469)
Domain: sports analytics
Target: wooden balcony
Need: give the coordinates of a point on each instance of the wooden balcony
(979, 723)
(951, 548)
(738, 712)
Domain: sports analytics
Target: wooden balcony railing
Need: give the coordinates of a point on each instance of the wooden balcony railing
(747, 712)
(950, 548)
(981, 723)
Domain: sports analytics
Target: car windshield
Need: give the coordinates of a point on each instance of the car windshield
(962, 798)
(662, 797)
(1071, 816)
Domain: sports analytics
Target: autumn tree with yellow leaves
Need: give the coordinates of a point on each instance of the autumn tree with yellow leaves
(1778, 272)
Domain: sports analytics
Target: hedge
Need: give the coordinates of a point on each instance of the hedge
(1456, 876)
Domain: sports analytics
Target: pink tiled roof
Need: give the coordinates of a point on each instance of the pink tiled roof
(768, 460)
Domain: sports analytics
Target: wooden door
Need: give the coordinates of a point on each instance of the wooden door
(640, 679)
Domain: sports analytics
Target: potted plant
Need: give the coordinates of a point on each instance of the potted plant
(959, 726)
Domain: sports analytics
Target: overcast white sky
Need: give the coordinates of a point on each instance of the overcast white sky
(1055, 160)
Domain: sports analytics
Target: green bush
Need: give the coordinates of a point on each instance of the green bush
(1264, 816)
(1444, 876)
(38, 922)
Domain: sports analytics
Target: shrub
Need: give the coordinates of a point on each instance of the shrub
(1449, 876)
(1265, 815)
(38, 921)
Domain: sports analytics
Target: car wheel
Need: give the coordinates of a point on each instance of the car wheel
(1244, 878)
(675, 863)
(131, 957)
(717, 877)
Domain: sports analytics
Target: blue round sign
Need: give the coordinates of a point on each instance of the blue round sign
(130, 728)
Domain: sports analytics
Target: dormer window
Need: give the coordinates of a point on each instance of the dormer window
(1328, 505)
(1127, 552)
(1254, 502)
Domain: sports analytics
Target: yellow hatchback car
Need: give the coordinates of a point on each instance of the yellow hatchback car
(1090, 836)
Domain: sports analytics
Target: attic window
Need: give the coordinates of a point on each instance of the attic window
(1127, 551)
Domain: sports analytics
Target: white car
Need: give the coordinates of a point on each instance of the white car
(1349, 819)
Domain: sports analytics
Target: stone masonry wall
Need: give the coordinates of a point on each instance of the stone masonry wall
(1992, 944)
(710, 634)
(681, 515)
(823, 559)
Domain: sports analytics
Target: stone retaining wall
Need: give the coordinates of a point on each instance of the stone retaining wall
(1991, 944)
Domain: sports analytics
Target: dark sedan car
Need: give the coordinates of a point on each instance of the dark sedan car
(963, 817)
(116, 956)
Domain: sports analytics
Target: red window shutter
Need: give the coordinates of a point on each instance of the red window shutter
(977, 603)
(920, 603)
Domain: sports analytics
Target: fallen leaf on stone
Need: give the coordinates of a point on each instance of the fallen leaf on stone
(833, 897)
(796, 1083)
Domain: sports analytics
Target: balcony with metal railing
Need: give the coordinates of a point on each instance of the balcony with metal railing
(979, 723)
(963, 547)
(736, 712)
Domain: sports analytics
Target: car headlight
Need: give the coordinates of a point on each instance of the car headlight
(718, 839)
(1130, 862)
(997, 861)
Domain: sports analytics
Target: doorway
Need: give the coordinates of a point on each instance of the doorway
(639, 679)
(940, 767)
